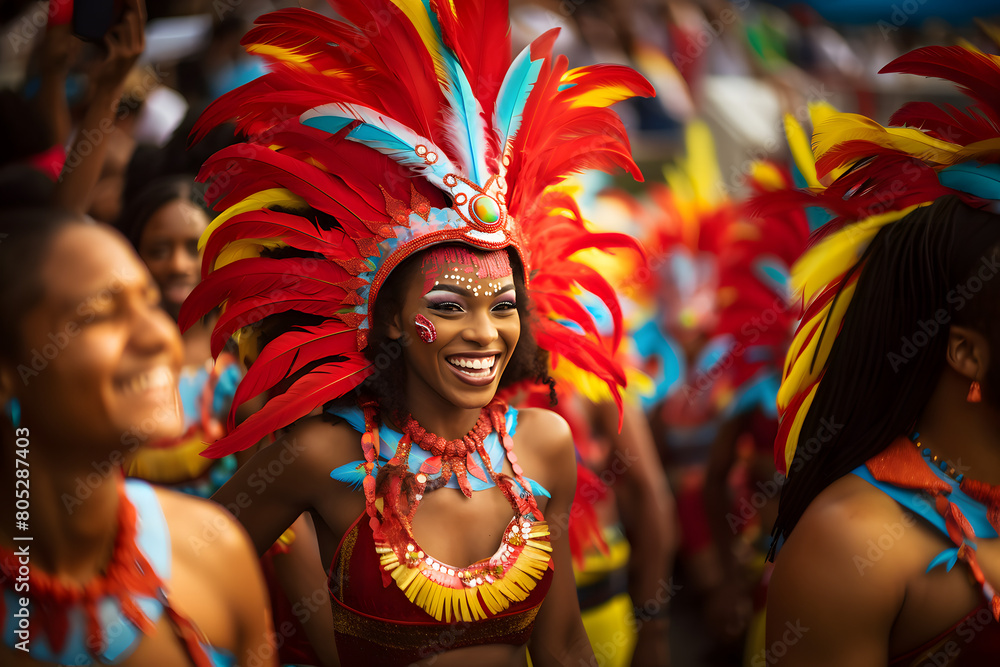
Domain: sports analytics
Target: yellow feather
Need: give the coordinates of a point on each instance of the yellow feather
(281, 53)
(416, 11)
(849, 126)
(703, 167)
(987, 150)
(260, 200)
(991, 30)
(243, 249)
(823, 263)
(802, 153)
(601, 97)
(768, 175)
(793, 433)
(804, 372)
(799, 340)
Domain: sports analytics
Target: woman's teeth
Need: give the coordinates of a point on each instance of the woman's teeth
(153, 379)
(473, 364)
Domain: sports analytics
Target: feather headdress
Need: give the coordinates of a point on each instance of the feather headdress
(881, 174)
(404, 126)
(757, 313)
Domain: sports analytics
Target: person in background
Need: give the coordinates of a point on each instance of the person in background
(108, 573)
(887, 525)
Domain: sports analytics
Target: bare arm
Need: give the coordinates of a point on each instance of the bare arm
(58, 45)
(280, 482)
(646, 508)
(558, 637)
(824, 607)
(220, 566)
(125, 43)
(302, 577)
(721, 460)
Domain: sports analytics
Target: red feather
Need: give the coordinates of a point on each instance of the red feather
(478, 31)
(293, 230)
(288, 354)
(945, 121)
(312, 390)
(976, 73)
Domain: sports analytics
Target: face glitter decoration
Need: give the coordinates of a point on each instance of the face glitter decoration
(425, 329)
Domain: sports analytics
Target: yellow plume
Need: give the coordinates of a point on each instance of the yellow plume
(803, 370)
(416, 11)
(796, 429)
(798, 143)
(260, 200)
(823, 263)
(855, 127)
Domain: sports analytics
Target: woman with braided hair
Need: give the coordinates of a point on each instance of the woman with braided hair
(890, 425)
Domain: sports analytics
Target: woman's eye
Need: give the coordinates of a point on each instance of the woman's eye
(505, 305)
(447, 306)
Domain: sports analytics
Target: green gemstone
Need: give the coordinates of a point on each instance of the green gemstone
(485, 209)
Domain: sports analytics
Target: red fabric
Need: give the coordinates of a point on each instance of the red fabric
(49, 162)
(972, 642)
(364, 595)
(692, 515)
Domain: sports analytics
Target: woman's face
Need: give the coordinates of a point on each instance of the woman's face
(105, 355)
(169, 247)
(472, 306)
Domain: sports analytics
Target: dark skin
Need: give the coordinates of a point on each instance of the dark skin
(646, 509)
(730, 605)
(889, 605)
(93, 176)
(445, 405)
(117, 369)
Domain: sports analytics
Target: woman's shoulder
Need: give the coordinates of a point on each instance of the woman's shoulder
(861, 540)
(546, 432)
(319, 442)
(195, 522)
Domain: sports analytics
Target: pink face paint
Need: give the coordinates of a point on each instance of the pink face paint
(425, 329)
(492, 265)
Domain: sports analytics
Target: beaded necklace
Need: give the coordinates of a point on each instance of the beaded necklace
(127, 575)
(482, 589)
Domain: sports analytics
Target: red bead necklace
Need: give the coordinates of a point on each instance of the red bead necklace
(128, 574)
(450, 449)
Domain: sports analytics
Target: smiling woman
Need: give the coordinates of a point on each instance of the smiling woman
(164, 222)
(375, 266)
(90, 557)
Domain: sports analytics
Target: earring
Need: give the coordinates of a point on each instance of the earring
(975, 393)
(425, 329)
(14, 411)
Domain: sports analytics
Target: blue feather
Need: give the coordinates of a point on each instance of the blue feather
(468, 135)
(330, 124)
(383, 134)
(513, 95)
(465, 128)
(948, 556)
(981, 180)
(351, 473)
(537, 489)
(772, 272)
